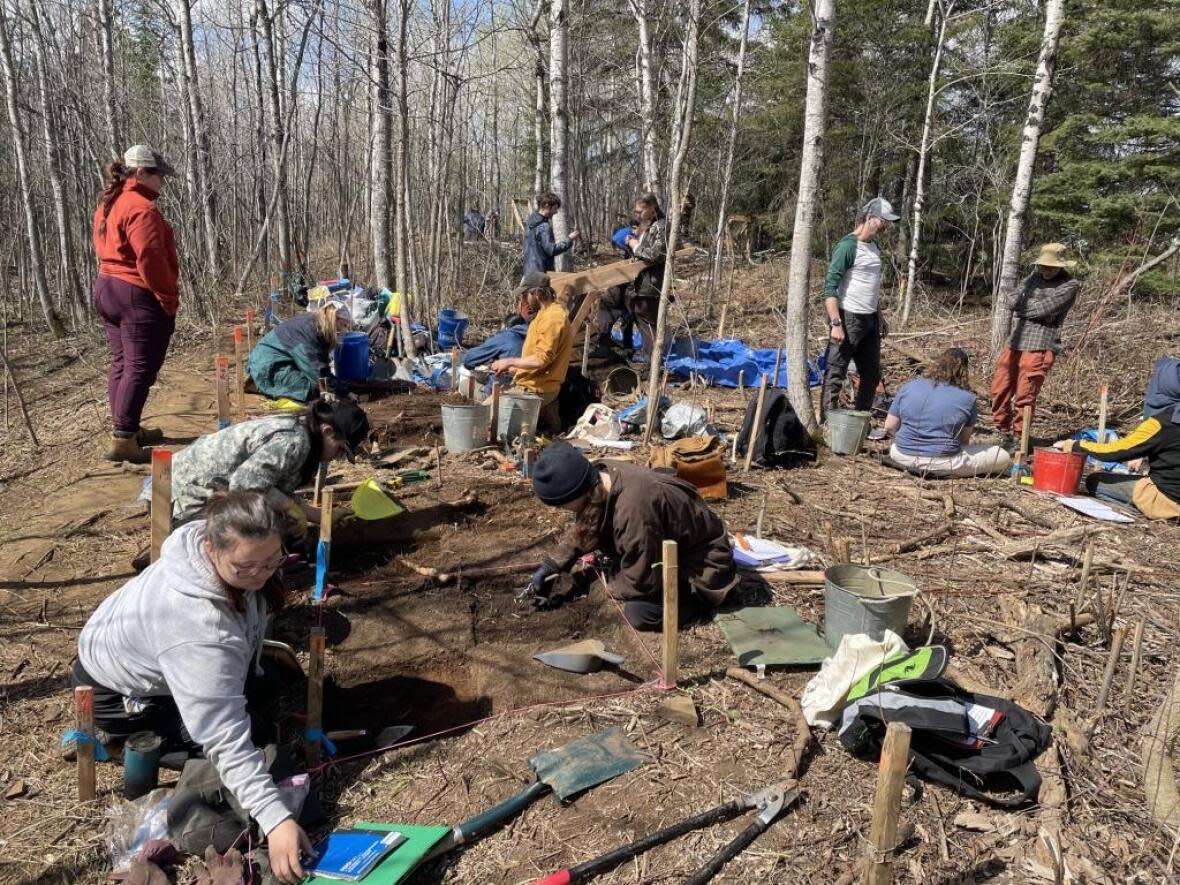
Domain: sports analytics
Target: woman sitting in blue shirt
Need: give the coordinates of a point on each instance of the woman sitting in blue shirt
(932, 419)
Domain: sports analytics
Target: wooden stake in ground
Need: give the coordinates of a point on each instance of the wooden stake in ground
(1025, 431)
(323, 553)
(586, 352)
(1103, 395)
(778, 361)
(161, 499)
(315, 696)
(1136, 654)
(239, 375)
(887, 805)
(221, 386)
(454, 368)
(493, 427)
(671, 568)
(84, 749)
(756, 430)
(1112, 663)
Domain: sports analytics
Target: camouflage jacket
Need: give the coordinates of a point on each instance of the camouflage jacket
(263, 455)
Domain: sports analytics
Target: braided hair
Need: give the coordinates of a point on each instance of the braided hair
(115, 174)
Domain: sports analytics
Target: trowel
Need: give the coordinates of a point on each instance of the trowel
(587, 656)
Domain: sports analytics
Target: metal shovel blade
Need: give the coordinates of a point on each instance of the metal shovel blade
(387, 737)
(586, 762)
(587, 656)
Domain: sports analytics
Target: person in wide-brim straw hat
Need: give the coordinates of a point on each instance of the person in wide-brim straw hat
(1038, 310)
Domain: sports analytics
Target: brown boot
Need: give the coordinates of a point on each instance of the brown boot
(149, 436)
(125, 447)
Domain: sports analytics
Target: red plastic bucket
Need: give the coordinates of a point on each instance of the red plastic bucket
(1057, 472)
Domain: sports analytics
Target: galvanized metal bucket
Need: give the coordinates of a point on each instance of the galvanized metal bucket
(465, 427)
(517, 412)
(862, 599)
(845, 431)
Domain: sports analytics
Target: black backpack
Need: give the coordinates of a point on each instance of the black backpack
(1004, 763)
(577, 392)
(784, 441)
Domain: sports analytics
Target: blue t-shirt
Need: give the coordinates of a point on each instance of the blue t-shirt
(932, 417)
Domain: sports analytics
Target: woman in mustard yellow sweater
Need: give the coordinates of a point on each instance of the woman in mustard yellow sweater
(542, 365)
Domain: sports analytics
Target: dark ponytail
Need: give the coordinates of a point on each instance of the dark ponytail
(319, 412)
(115, 174)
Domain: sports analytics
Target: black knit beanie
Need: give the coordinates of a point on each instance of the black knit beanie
(562, 474)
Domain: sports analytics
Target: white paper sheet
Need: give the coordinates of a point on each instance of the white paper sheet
(1094, 508)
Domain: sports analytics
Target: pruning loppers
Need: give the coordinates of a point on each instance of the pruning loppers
(770, 803)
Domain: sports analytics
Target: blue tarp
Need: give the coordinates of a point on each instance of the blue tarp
(1090, 434)
(719, 362)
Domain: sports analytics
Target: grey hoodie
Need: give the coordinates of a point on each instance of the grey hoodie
(173, 631)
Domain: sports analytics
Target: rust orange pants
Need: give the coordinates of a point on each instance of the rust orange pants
(1016, 383)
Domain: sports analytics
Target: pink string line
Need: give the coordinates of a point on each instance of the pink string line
(634, 633)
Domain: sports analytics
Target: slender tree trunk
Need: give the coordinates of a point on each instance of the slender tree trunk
(920, 180)
(727, 171)
(207, 193)
(70, 283)
(798, 283)
(647, 98)
(281, 215)
(1042, 92)
(402, 177)
(559, 120)
(381, 160)
(106, 20)
(25, 179)
(686, 96)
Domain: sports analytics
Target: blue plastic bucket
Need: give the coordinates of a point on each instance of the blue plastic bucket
(352, 357)
(451, 326)
(141, 764)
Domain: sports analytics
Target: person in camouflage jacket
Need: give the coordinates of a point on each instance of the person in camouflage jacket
(274, 455)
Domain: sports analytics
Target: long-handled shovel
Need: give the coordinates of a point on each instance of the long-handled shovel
(770, 802)
(566, 771)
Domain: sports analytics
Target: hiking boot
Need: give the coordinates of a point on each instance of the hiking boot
(125, 448)
(149, 436)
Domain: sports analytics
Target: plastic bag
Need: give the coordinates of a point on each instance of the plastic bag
(597, 423)
(134, 823)
(685, 419)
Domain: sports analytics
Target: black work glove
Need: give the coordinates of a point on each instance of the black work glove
(539, 585)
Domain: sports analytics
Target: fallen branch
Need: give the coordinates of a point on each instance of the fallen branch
(935, 534)
(802, 729)
(443, 578)
(1061, 538)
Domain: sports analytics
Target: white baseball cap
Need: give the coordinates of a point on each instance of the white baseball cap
(879, 207)
(141, 156)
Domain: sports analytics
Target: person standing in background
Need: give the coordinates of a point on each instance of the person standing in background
(649, 244)
(540, 249)
(852, 300)
(1038, 312)
(137, 292)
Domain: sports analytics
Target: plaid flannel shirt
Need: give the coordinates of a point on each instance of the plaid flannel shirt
(1039, 309)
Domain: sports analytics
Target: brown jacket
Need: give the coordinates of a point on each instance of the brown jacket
(645, 508)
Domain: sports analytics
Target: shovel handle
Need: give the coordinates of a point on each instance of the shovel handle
(497, 814)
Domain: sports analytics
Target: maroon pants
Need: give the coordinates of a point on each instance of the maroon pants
(138, 330)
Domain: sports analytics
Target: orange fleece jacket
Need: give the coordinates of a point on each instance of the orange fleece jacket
(551, 340)
(138, 246)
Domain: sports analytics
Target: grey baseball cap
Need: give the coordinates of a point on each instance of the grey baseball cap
(879, 207)
(534, 279)
(141, 156)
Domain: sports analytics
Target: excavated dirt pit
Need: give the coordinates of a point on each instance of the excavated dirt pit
(405, 650)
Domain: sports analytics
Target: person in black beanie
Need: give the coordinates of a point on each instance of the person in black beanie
(625, 512)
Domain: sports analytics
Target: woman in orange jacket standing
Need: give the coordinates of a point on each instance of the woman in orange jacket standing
(136, 293)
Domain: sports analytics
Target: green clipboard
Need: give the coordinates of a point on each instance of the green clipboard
(419, 841)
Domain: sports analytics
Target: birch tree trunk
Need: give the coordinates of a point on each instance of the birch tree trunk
(647, 98)
(920, 179)
(282, 221)
(381, 159)
(402, 176)
(559, 121)
(798, 281)
(540, 129)
(24, 175)
(1042, 92)
(727, 171)
(686, 96)
(206, 192)
(106, 21)
(63, 216)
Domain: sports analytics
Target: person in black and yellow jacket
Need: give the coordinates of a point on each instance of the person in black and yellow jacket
(1156, 439)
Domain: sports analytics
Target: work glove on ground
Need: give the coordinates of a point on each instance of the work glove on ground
(221, 869)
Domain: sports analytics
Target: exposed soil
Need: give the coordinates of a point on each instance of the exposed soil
(456, 660)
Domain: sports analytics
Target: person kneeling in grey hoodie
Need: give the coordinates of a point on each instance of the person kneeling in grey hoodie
(170, 652)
